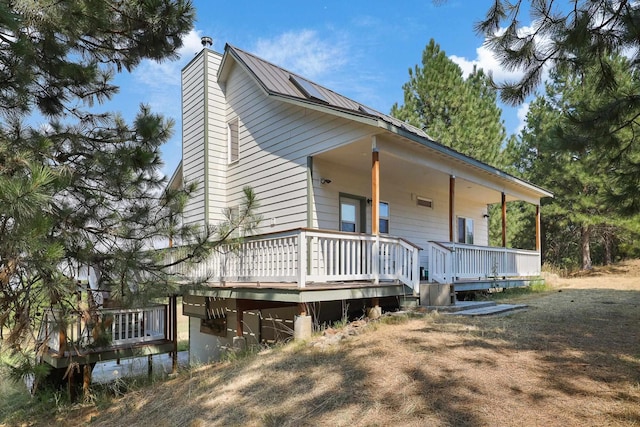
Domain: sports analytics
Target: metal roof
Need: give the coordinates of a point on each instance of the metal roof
(278, 81)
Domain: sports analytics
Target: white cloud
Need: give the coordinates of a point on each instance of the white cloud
(486, 60)
(303, 52)
(160, 74)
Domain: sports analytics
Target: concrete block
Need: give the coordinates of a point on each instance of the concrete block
(435, 294)
(302, 327)
(374, 312)
(240, 343)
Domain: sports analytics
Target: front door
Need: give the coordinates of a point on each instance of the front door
(351, 212)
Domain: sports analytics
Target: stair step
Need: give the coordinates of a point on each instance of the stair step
(462, 305)
(489, 310)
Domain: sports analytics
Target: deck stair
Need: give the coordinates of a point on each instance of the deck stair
(478, 308)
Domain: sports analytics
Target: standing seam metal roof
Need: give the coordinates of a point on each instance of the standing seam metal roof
(275, 80)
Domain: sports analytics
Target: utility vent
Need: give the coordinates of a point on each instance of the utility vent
(425, 203)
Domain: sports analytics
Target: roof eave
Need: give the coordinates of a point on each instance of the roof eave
(463, 158)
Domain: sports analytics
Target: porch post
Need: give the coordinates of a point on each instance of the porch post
(309, 192)
(239, 342)
(504, 220)
(375, 192)
(538, 236)
(452, 207)
(375, 208)
(302, 258)
(174, 333)
(239, 319)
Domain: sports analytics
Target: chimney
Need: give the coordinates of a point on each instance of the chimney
(206, 41)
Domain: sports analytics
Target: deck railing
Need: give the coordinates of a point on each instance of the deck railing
(102, 328)
(302, 256)
(449, 262)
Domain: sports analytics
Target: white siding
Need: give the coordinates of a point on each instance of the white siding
(276, 137)
(193, 134)
(217, 140)
(414, 223)
(201, 95)
(275, 140)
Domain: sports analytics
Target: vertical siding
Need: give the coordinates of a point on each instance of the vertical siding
(275, 140)
(193, 134)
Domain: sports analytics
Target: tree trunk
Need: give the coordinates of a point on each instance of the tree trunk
(607, 242)
(586, 248)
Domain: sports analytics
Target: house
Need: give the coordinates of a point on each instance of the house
(360, 210)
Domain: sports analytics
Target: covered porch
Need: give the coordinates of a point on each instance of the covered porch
(307, 258)
(433, 197)
(292, 262)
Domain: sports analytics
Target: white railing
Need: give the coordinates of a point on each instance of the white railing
(102, 328)
(127, 326)
(440, 267)
(302, 256)
(449, 262)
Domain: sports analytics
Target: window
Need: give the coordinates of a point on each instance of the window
(348, 216)
(465, 230)
(233, 141)
(384, 217)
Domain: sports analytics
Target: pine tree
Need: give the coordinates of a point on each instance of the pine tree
(579, 40)
(580, 209)
(84, 188)
(461, 114)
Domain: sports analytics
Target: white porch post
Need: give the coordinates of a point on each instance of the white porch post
(452, 207)
(416, 278)
(503, 201)
(302, 259)
(538, 234)
(451, 261)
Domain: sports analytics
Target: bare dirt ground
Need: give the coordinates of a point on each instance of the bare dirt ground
(571, 359)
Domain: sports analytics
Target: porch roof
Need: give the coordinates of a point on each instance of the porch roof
(278, 82)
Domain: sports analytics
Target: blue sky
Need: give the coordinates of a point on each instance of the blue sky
(362, 49)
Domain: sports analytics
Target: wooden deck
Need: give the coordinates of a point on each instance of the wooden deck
(312, 292)
(88, 356)
(109, 333)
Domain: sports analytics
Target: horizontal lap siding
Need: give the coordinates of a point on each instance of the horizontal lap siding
(193, 134)
(217, 136)
(275, 140)
(417, 224)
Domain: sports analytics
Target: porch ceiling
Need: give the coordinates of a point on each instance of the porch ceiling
(396, 170)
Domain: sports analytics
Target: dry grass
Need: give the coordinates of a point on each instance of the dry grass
(572, 359)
